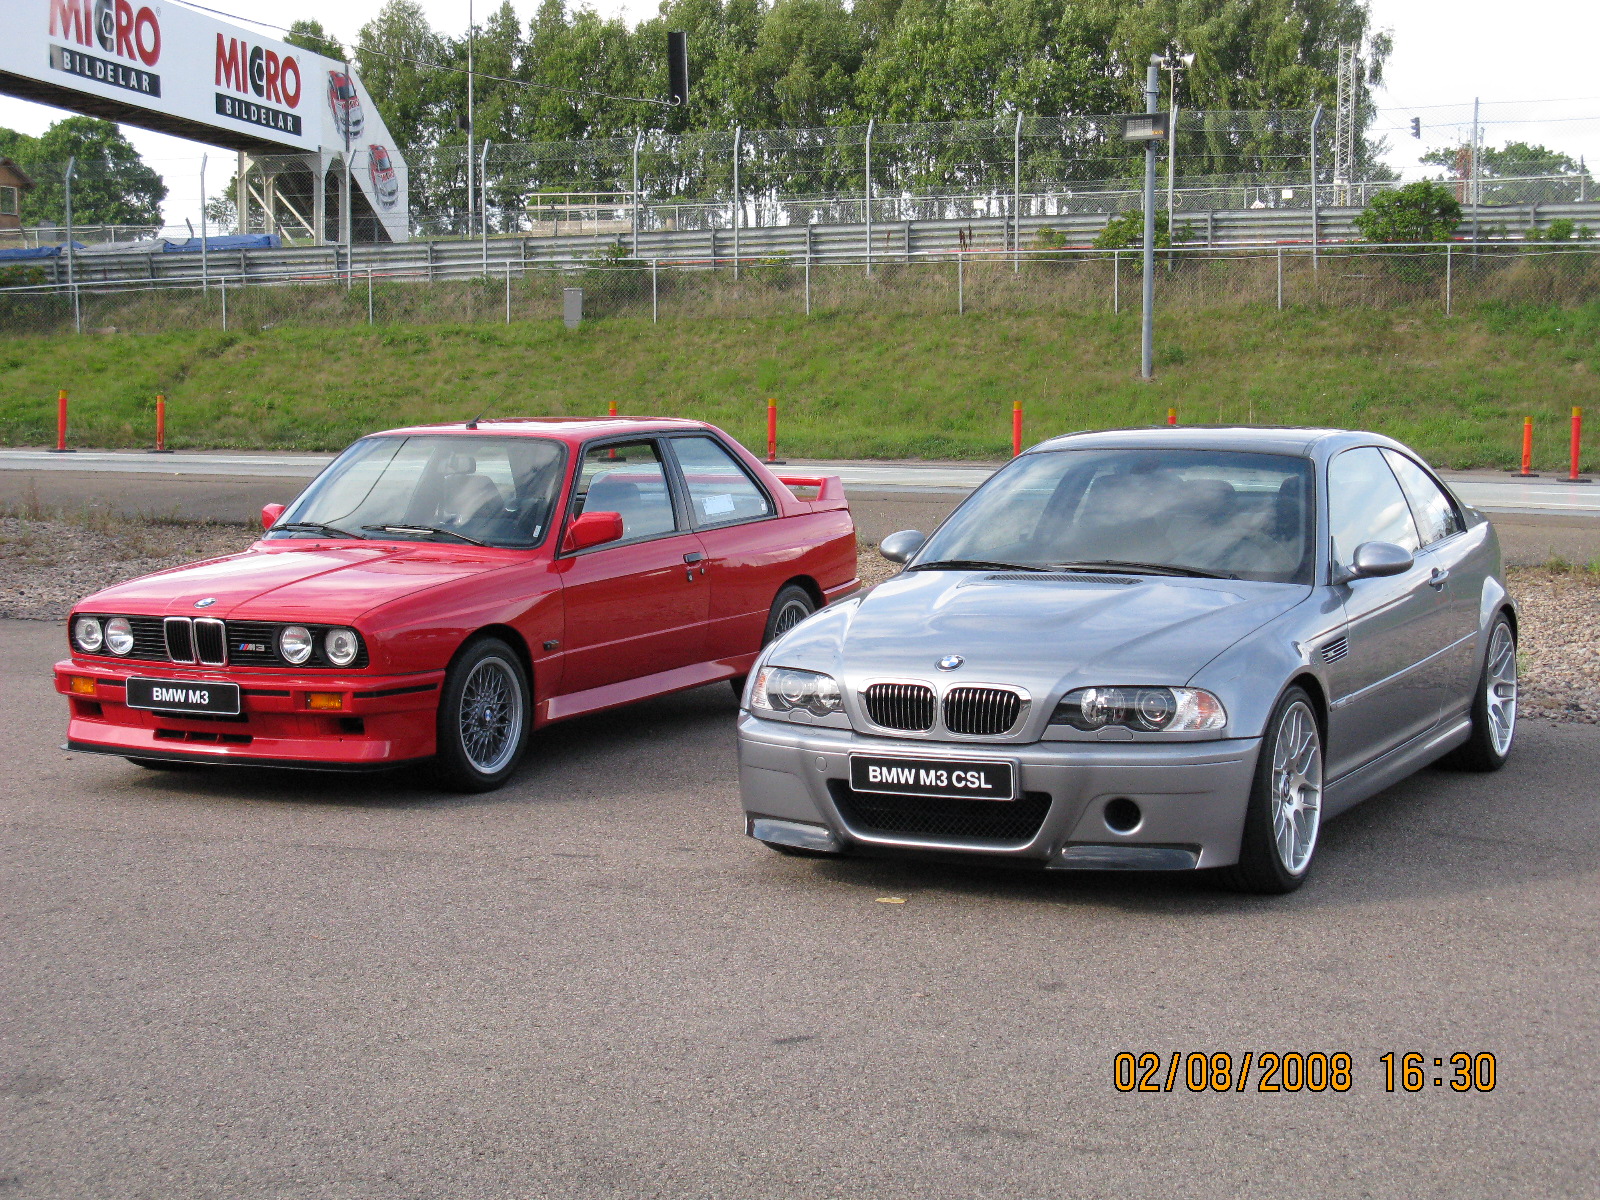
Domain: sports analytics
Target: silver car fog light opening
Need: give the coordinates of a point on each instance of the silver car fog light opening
(1141, 709)
(793, 833)
(783, 690)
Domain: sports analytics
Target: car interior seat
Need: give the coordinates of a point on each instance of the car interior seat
(467, 497)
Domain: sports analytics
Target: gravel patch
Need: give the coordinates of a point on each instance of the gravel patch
(46, 564)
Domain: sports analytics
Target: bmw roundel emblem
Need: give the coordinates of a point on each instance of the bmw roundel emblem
(950, 662)
(206, 603)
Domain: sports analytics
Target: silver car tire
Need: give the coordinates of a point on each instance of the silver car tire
(1284, 816)
(1494, 704)
(485, 714)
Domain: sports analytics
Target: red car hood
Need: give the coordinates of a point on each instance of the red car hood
(327, 584)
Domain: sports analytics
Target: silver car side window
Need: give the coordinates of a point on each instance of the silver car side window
(1436, 514)
(1365, 504)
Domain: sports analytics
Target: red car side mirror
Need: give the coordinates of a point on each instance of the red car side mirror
(592, 529)
(270, 514)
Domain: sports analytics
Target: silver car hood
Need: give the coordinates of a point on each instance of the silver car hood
(1047, 636)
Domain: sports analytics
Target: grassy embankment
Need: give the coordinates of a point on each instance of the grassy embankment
(848, 386)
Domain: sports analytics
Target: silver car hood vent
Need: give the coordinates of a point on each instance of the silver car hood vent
(1053, 577)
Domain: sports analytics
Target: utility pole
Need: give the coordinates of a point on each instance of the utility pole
(1175, 62)
(1152, 104)
(77, 313)
(1472, 185)
(1316, 233)
(471, 130)
(483, 181)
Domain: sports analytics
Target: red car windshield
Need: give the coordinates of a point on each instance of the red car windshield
(498, 491)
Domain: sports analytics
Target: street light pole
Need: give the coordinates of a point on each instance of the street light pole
(1152, 102)
(471, 34)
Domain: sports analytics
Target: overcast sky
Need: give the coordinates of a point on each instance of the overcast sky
(1527, 68)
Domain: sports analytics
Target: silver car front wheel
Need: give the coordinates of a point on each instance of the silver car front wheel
(1296, 787)
(484, 717)
(1284, 813)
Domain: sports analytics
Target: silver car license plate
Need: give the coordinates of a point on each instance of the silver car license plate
(946, 778)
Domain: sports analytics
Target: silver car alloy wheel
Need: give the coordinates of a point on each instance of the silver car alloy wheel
(1296, 787)
(1502, 697)
(490, 718)
(790, 615)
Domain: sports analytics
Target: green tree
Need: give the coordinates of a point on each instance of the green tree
(1425, 211)
(110, 186)
(395, 56)
(1516, 173)
(310, 35)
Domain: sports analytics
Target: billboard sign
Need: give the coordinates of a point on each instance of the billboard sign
(170, 68)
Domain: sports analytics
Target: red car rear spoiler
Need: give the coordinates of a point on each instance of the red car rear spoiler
(829, 488)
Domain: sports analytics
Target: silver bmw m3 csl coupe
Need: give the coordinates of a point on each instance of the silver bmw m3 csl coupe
(1144, 649)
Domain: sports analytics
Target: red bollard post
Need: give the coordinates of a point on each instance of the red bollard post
(1016, 428)
(772, 431)
(1172, 416)
(1577, 447)
(1527, 451)
(613, 408)
(61, 423)
(161, 425)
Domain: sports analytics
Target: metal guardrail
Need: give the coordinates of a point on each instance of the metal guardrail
(902, 241)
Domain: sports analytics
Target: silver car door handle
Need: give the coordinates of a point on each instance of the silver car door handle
(1438, 578)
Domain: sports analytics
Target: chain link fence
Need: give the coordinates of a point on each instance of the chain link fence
(1444, 277)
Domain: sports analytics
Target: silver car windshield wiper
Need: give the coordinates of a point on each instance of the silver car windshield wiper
(317, 527)
(422, 530)
(1147, 568)
(971, 564)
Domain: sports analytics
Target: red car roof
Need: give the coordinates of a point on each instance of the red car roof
(568, 429)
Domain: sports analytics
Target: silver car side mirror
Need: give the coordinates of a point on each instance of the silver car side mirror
(1374, 560)
(899, 547)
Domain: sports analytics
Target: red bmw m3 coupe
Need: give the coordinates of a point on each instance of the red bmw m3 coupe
(439, 592)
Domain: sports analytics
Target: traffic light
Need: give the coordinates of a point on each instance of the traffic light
(1416, 127)
(677, 68)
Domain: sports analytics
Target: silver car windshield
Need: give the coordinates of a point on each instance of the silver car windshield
(496, 491)
(1234, 514)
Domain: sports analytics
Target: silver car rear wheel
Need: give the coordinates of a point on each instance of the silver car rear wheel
(1501, 700)
(1296, 787)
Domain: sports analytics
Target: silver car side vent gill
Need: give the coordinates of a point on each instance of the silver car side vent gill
(180, 639)
(1335, 650)
(907, 706)
(981, 711)
(1055, 577)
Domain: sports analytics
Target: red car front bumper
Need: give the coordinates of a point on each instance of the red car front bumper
(381, 721)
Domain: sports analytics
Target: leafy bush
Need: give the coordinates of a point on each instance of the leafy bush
(1424, 211)
(1126, 232)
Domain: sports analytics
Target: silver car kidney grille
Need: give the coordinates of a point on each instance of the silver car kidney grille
(981, 711)
(907, 706)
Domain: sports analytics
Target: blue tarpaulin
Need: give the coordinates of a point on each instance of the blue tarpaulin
(34, 252)
(247, 241)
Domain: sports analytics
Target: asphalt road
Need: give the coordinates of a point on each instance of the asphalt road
(590, 984)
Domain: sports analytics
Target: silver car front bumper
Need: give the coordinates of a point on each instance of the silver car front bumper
(1191, 797)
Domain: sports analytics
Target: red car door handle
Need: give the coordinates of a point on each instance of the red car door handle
(693, 556)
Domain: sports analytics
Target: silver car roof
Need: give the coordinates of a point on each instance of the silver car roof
(1308, 442)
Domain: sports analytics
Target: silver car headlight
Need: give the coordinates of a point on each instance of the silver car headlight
(86, 634)
(1142, 709)
(785, 689)
(119, 635)
(294, 643)
(341, 646)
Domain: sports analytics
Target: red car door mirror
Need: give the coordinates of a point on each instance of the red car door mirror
(593, 529)
(270, 514)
